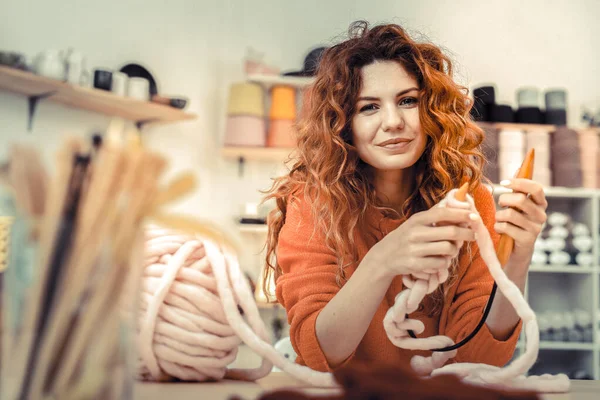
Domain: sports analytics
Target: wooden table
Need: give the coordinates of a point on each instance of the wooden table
(580, 390)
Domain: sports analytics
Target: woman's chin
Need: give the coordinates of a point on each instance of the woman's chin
(397, 162)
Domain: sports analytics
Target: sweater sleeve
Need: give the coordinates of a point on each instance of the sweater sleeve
(308, 282)
(470, 298)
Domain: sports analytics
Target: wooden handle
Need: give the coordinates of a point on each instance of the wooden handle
(507, 243)
(461, 194)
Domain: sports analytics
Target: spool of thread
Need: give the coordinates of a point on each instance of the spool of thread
(512, 144)
(555, 117)
(583, 318)
(580, 229)
(557, 327)
(485, 94)
(492, 172)
(540, 244)
(568, 320)
(480, 111)
(501, 113)
(543, 176)
(556, 99)
(558, 257)
(565, 161)
(529, 115)
(555, 244)
(513, 140)
(544, 323)
(558, 232)
(575, 335)
(583, 243)
(588, 335)
(584, 259)
(539, 258)
(559, 335)
(556, 218)
(540, 141)
(483, 98)
(589, 149)
(528, 96)
(490, 145)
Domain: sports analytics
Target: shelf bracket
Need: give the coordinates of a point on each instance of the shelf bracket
(33, 101)
(241, 162)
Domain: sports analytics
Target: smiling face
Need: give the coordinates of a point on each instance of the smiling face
(386, 129)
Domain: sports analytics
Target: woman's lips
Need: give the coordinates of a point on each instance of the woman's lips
(397, 146)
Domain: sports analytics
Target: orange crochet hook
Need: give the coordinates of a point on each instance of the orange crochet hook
(461, 194)
(506, 243)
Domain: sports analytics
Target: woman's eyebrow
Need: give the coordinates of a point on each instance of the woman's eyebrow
(369, 98)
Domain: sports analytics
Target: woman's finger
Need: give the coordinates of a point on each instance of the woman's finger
(519, 220)
(441, 233)
(520, 236)
(432, 262)
(442, 248)
(535, 189)
(521, 202)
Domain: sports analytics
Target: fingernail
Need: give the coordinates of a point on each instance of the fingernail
(474, 217)
(505, 182)
(475, 236)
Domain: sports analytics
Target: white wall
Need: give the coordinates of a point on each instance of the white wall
(195, 48)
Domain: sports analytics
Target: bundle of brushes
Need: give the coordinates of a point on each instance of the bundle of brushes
(72, 340)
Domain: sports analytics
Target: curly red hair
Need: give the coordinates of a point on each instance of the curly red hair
(327, 168)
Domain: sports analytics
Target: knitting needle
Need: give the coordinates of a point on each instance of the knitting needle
(461, 193)
(49, 229)
(62, 252)
(103, 297)
(85, 250)
(506, 243)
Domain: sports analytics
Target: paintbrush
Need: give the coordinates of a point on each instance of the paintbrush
(18, 347)
(56, 270)
(103, 295)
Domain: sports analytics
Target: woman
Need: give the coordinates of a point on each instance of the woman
(386, 135)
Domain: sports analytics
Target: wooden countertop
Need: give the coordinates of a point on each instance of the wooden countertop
(580, 390)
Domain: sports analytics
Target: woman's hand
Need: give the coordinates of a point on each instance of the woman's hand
(524, 221)
(426, 242)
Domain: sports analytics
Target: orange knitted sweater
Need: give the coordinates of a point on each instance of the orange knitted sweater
(308, 283)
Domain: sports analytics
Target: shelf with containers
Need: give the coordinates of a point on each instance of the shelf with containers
(565, 294)
(36, 87)
(261, 116)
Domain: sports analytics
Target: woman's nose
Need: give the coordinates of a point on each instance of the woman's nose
(392, 120)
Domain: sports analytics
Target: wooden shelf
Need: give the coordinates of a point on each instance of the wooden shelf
(270, 80)
(268, 154)
(550, 345)
(96, 100)
(520, 127)
(562, 269)
(556, 191)
(253, 228)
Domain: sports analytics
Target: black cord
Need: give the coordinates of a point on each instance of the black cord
(486, 311)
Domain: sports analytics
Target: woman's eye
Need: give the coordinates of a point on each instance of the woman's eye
(408, 101)
(368, 107)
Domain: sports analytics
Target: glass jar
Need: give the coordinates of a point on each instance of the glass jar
(81, 344)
